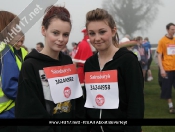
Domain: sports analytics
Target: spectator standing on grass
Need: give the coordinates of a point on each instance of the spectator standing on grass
(143, 54)
(147, 46)
(166, 60)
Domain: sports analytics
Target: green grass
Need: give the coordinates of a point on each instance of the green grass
(154, 106)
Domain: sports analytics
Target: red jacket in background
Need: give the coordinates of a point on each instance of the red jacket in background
(83, 53)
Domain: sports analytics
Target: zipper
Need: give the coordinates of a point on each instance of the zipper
(101, 69)
(100, 118)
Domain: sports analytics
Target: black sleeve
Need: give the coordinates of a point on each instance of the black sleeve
(134, 84)
(29, 101)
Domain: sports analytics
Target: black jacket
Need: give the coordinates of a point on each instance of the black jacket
(130, 83)
(31, 101)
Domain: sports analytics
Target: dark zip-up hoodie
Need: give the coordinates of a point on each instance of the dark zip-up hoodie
(33, 98)
(130, 84)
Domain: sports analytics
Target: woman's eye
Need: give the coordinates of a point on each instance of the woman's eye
(55, 33)
(66, 35)
(102, 32)
(91, 34)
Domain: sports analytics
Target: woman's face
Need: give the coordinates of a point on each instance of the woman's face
(57, 34)
(100, 34)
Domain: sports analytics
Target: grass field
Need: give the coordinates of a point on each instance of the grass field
(154, 106)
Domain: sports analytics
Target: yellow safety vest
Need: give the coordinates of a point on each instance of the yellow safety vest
(24, 53)
(5, 102)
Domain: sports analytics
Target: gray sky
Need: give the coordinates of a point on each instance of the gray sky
(78, 10)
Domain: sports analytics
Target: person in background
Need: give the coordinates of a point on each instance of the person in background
(39, 46)
(155, 58)
(129, 44)
(84, 51)
(65, 50)
(143, 54)
(74, 50)
(113, 77)
(147, 46)
(166, 61)
(126, 38)
(19, 50)
(35, 98)
(12, 57)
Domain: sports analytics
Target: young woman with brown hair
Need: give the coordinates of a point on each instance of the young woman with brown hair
(113, 77)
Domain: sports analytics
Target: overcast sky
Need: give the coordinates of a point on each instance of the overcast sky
(78, 10)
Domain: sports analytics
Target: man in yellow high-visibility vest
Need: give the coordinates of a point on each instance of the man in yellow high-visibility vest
(11, 58)
(11, 62)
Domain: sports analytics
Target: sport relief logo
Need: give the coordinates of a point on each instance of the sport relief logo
(100, 100)
(67, 92)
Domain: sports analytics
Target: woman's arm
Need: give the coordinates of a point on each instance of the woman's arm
(134, 84)
(9, 74)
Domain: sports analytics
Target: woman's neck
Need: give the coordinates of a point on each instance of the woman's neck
(109, 53)
(106, 56)
(51, 53)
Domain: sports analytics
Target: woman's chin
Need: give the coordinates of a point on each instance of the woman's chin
(57, 49)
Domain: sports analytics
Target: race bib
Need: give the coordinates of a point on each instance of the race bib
(171, 49)
(64, 83)
(102, 89)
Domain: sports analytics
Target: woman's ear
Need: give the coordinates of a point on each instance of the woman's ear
(43, 31)
(114, 30)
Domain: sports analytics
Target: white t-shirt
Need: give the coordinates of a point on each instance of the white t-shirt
(124, 40)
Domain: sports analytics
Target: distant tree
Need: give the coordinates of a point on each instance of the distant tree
(132, 15)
